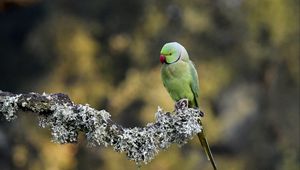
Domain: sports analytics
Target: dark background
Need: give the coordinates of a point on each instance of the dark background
(106, 53)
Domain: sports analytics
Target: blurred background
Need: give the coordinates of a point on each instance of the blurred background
(106, 53)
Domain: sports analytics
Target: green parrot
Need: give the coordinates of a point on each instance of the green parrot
(180, 78)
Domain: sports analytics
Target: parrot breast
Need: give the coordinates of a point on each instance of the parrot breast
(177, 79)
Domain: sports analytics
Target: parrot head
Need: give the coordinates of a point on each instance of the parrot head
(172, 52)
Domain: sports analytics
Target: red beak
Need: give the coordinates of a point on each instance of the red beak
(162, 59)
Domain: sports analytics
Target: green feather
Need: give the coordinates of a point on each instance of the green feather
(177, 80)
(194, 85)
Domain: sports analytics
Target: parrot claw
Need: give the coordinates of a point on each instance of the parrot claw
(181, 104)
(201, 113)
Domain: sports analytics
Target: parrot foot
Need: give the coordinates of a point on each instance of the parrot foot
(181, 104)
(201, 113)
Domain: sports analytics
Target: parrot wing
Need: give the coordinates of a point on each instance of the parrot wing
(194, 84)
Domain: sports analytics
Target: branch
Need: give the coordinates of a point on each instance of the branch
(67, 119)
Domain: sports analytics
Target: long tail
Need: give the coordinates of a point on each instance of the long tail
(206, 147)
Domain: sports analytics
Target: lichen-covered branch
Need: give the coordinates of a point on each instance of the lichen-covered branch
(66, 119)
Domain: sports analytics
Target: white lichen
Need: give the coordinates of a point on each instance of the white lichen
(9, 107)
(140, 144)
